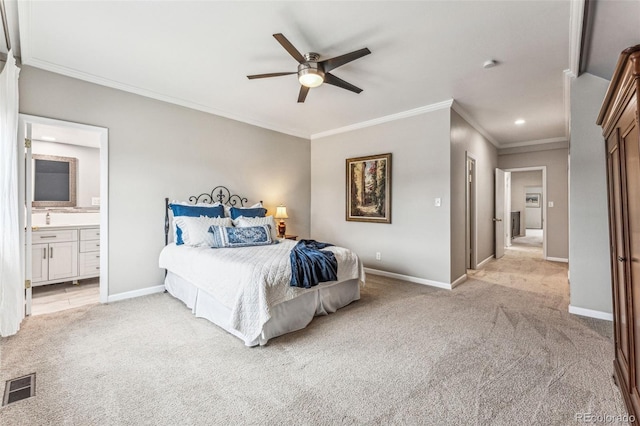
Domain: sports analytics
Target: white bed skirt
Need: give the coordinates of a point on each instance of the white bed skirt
(286, 317)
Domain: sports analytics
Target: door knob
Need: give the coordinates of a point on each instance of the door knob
(622, 259)
(497, 220)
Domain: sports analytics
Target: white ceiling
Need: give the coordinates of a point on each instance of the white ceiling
(198, 54)
(65, 134)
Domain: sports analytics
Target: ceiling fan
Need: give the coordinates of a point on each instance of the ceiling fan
(312, 72)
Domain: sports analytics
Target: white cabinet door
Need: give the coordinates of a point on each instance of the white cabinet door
(63, 260)
(40, 262)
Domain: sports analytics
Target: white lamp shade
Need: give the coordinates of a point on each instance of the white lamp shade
(281, 212)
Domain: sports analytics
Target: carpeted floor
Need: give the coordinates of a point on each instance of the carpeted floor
(500, 349)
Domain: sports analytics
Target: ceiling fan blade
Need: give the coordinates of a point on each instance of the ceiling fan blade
(303, 93)
(335, 81)
(338, 61)
(289, 48)
(273, 74)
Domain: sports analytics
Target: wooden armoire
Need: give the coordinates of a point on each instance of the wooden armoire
(619, 120)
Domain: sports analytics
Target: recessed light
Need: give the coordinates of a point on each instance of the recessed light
(48, 138)
(519, 122)
(490, 63)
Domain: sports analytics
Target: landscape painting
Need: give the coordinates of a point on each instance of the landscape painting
(369, 189)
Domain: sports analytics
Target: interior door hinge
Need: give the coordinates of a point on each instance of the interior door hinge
(27, 143)
(27, 283)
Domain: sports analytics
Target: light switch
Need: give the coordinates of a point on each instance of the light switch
(550, 203)
(95, 201)
(438, 202)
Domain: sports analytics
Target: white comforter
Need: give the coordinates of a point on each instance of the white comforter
(249, 280)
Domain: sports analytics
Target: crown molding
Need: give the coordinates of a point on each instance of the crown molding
(533, 142)
(393, 117)
(464, 114)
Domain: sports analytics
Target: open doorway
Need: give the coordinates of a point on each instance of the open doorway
(527, 210)
(65, 189)
(471, 214)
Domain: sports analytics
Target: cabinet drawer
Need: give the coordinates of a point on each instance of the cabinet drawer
(89, 270)
(54, 236)
(90, 259)
(86, 246)
(90, 234)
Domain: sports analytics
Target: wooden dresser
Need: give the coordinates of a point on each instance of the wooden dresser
(619, 120)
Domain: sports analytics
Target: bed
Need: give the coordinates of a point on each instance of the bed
(245, 290)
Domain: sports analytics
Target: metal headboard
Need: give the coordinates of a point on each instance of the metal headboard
(219, 194)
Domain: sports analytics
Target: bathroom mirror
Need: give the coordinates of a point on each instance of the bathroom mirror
(54, 181)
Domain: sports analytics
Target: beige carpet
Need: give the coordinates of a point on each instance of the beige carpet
(500, 349)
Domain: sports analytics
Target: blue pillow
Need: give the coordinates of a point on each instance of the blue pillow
(225, 236)
(255, 212)
(194, 211)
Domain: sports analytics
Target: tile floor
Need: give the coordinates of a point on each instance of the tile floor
(58, 297)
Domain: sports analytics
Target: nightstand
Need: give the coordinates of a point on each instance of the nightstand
(291, 237)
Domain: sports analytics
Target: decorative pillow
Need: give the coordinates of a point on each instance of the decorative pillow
(244, 222)
(195, 230)
(224, 236)
(227, 209)
(180, 209)
(236, 212)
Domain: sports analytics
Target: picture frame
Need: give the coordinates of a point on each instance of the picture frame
(532, 200)
(368, 189)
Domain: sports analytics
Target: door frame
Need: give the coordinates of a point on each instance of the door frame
(471, 212)
(23, 119)
(544, 201)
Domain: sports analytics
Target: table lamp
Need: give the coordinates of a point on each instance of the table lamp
(281, 213)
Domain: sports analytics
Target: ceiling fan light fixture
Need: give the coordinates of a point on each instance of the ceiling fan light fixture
(310, 78)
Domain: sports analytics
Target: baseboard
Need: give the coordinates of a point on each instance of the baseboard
(135, 293)
(583, 312)
(557, 259)
(484, 262)
(459, 281)
(408, 278)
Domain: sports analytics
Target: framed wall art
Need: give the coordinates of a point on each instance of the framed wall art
(369, 189)
(532, 199)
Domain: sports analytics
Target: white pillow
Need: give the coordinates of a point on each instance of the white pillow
(187, 203)
(245, 222)
(195, 230)
(227, 209)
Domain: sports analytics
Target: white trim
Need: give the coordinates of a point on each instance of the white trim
(408, 278)
(576, 20)
(464, 114)
(136, 293)
(544, 198)
(590, 313)
(459, 281)
(393, 117)
(557, 259)
(484, 262)
(566, 95)
(533, 142)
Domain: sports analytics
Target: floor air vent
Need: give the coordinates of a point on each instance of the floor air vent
(20, 388)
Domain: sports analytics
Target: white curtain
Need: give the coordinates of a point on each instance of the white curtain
(11, 285)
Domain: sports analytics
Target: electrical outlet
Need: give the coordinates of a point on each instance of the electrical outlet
(550, 203)
(437, 202)
(95, 201)
(378, 257)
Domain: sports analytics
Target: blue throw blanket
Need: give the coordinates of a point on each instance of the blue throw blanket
(310, 265)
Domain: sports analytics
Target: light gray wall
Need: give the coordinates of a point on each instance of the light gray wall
(533, 215)
(519, 182)
(87, 167)
(556, 161)
(589, 268)
(417, 242)
(158, 150)
(465, 138)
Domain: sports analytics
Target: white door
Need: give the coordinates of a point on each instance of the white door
(63, 260)
(28, 197)
(499, 219)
